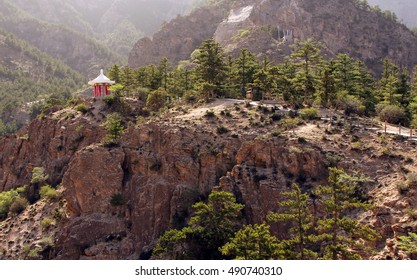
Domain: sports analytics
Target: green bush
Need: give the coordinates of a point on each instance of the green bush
(110, 99)
(156, 100)
(49, 193)
(352, 105)
(114, 129)
(83, 108)
(38, 175)
(222, 129)
(309, 114)
(392, 114)
(209, 114)
(117, 199)
(18, 205)
(7, 199)
(46, 223)
(191, 97)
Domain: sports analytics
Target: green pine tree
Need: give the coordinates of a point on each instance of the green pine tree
(254, 242)
(295, 211)
(342, 237)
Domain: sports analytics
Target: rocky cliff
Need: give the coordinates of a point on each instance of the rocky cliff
(270, 27)
(164, 165)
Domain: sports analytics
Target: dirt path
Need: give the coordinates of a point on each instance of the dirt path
(216, 106)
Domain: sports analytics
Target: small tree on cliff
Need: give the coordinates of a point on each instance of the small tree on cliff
(114, 129)
(340, 236)
(254, 242)
(212, 225)
(296, 212)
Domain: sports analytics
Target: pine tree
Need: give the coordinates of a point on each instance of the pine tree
(404, 89)
(115, 73)
(307, 56)
(211, 226)
(296, 212)
(247, 67)
(254, 242)
(286, 86)
(327, 86)
(388, 84)
(210, 64)
(341, 236)
(164, 68)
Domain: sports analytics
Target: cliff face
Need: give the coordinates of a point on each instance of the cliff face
(159, 170)
(270, 27)
(177, 39)
(116, 202)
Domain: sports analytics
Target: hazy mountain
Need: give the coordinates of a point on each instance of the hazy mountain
(406, 10)
(270, 27)
(116, 23)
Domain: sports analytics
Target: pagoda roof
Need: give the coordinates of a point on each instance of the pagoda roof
(101, 79)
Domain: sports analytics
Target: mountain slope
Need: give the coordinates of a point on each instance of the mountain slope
(117, 23)
(370, 37)
(406, 10)
(79, 51)
(27, 74)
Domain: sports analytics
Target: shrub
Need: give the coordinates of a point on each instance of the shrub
(408, 243)
(46, 223)
(412, 179)
(276, 117)
(18, 205)
(110, 99)
(117, 199)
(83, 108)
(209, 114)
(222, 129)
(275, 133)
(309, 114)
(352, 106)
(393, 114)
(156, 100)
(302, 140)
(7, 199)
(38, 175)
(403, 187)
(191, 97)
(48, 193)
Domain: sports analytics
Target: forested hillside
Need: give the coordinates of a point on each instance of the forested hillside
(79, 51)
(27, 74)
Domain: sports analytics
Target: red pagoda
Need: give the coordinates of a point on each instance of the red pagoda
(101, 85)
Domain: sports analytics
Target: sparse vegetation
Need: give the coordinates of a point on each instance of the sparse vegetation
(114, 129)
(49, 193)
(309, 114)
(83, 108)
(8, 198)
(222, 129)
(117, 199)
(39, 175)
(47, 223)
